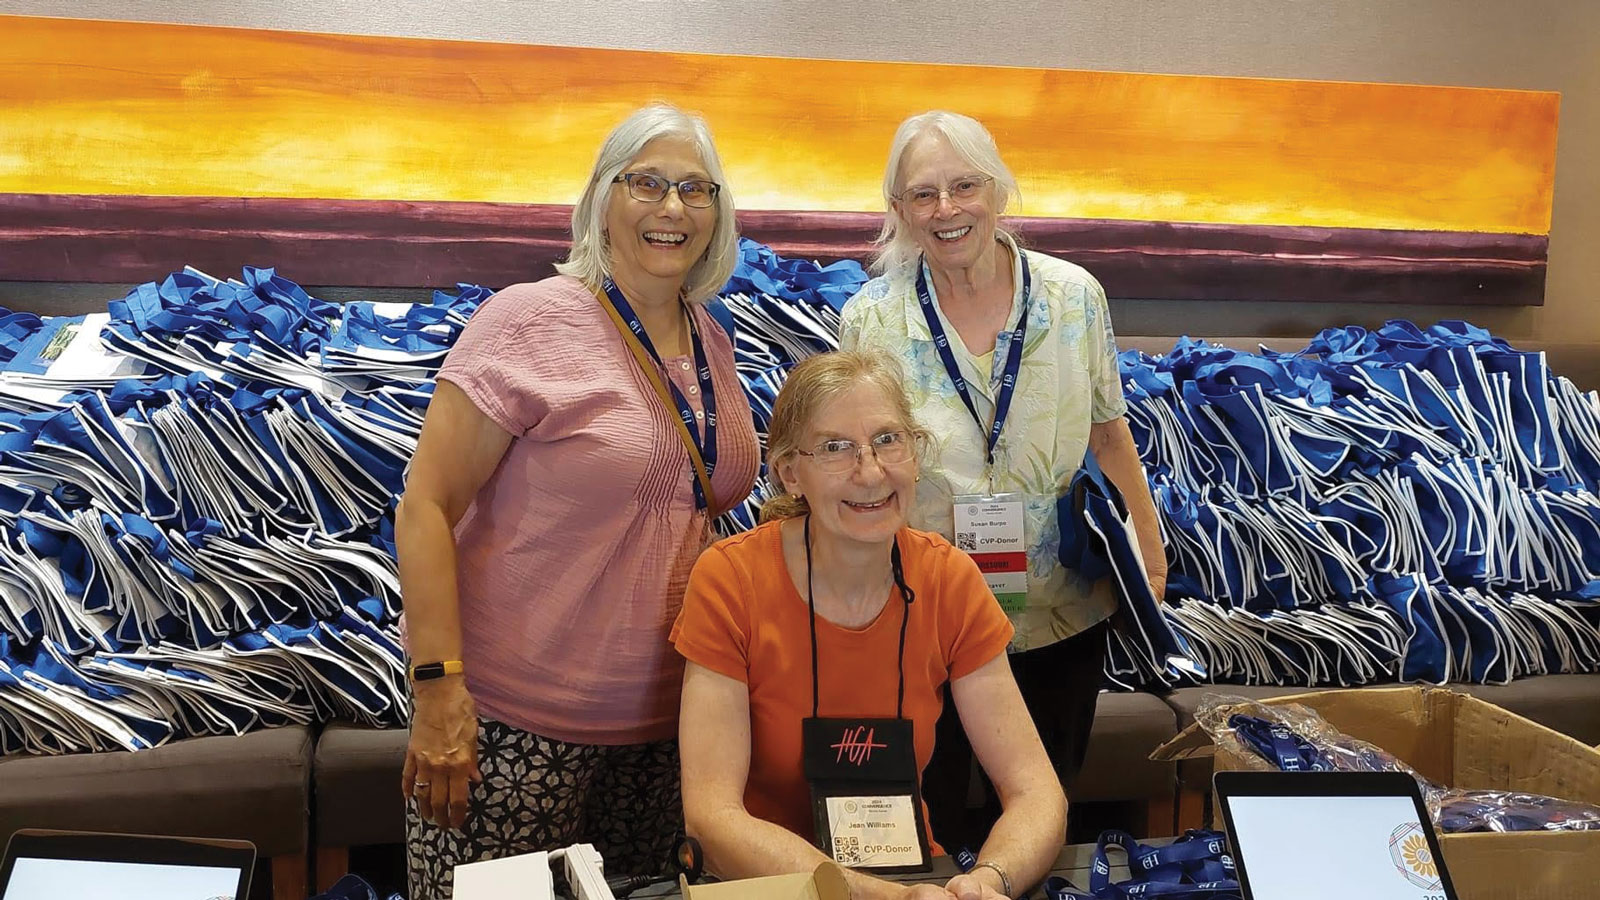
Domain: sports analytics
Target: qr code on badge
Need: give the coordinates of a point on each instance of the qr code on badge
(967, 540)
(847, 851)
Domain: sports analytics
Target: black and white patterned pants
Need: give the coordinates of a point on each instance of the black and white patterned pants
(541, 794)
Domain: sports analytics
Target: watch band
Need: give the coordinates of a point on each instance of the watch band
(430, 671)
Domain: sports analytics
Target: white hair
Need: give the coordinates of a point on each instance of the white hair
(590, 258)
(968, 137)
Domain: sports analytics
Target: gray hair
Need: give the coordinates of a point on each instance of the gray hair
(897, 248)
(590, 260)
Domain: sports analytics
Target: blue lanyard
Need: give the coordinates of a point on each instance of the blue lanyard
(1195, 867)
(706, 442)
(1281, 746)
(1008, 381)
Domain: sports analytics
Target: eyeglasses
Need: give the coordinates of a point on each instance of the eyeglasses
(924, 197)
(838, 455)
(648, 188)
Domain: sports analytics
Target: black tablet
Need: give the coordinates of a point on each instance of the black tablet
(52, 865)
(1333, 835)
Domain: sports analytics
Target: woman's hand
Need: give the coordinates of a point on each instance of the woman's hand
(442, 757)
(969, 886)
(925, 892)
(1158, 581)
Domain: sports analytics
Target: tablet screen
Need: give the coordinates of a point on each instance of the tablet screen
(33, 878)
(1333, 848)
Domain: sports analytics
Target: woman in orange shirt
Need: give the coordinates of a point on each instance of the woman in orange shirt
(818, 646)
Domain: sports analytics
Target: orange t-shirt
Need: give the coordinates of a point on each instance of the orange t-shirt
(743, 618)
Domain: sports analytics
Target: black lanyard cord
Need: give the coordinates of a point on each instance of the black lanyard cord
(905, 619)
(811, 603)
(906, 593)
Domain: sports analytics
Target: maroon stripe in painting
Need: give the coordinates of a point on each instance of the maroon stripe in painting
(392, 243)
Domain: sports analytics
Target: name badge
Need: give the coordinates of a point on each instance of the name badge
(989, 529)
(875, 832)
(864, 793)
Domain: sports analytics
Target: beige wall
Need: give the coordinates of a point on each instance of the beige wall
(1534, 44)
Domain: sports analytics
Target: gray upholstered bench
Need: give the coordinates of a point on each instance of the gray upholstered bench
(254, 787)
(357, 770)
(1118, 767)
(356, 794)
(356, 782)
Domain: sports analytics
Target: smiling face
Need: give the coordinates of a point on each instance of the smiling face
(870, 501)
(952, 234)
(654, 245)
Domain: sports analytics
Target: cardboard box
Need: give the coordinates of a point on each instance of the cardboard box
(826, 882)
(1460, 741)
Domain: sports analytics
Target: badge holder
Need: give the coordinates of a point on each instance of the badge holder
(863, 771)
(864, 793)
(989, 528)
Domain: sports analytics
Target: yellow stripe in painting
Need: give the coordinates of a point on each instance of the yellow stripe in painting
(132, 108)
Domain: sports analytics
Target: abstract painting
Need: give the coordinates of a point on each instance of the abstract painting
(128, 149)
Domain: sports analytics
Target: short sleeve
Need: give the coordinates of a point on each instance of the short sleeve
(850, 323)
(1101, 356)
(713, 627)
(496, 362)
(977, 627)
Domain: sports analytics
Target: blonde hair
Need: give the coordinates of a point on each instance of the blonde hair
(813, 384)
(590, 258)
(967, 136)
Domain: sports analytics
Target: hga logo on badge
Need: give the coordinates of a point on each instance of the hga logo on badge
(1408, 848)
(856, 745)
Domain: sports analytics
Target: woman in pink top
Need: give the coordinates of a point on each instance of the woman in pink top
(570, 464)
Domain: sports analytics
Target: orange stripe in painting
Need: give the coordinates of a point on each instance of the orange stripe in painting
(129, 108)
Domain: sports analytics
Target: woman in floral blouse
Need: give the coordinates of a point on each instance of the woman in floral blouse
(954, 294)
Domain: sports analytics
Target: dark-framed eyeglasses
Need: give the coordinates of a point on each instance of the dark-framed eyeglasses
(836, 456)
(923, 197)
(648, 188)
